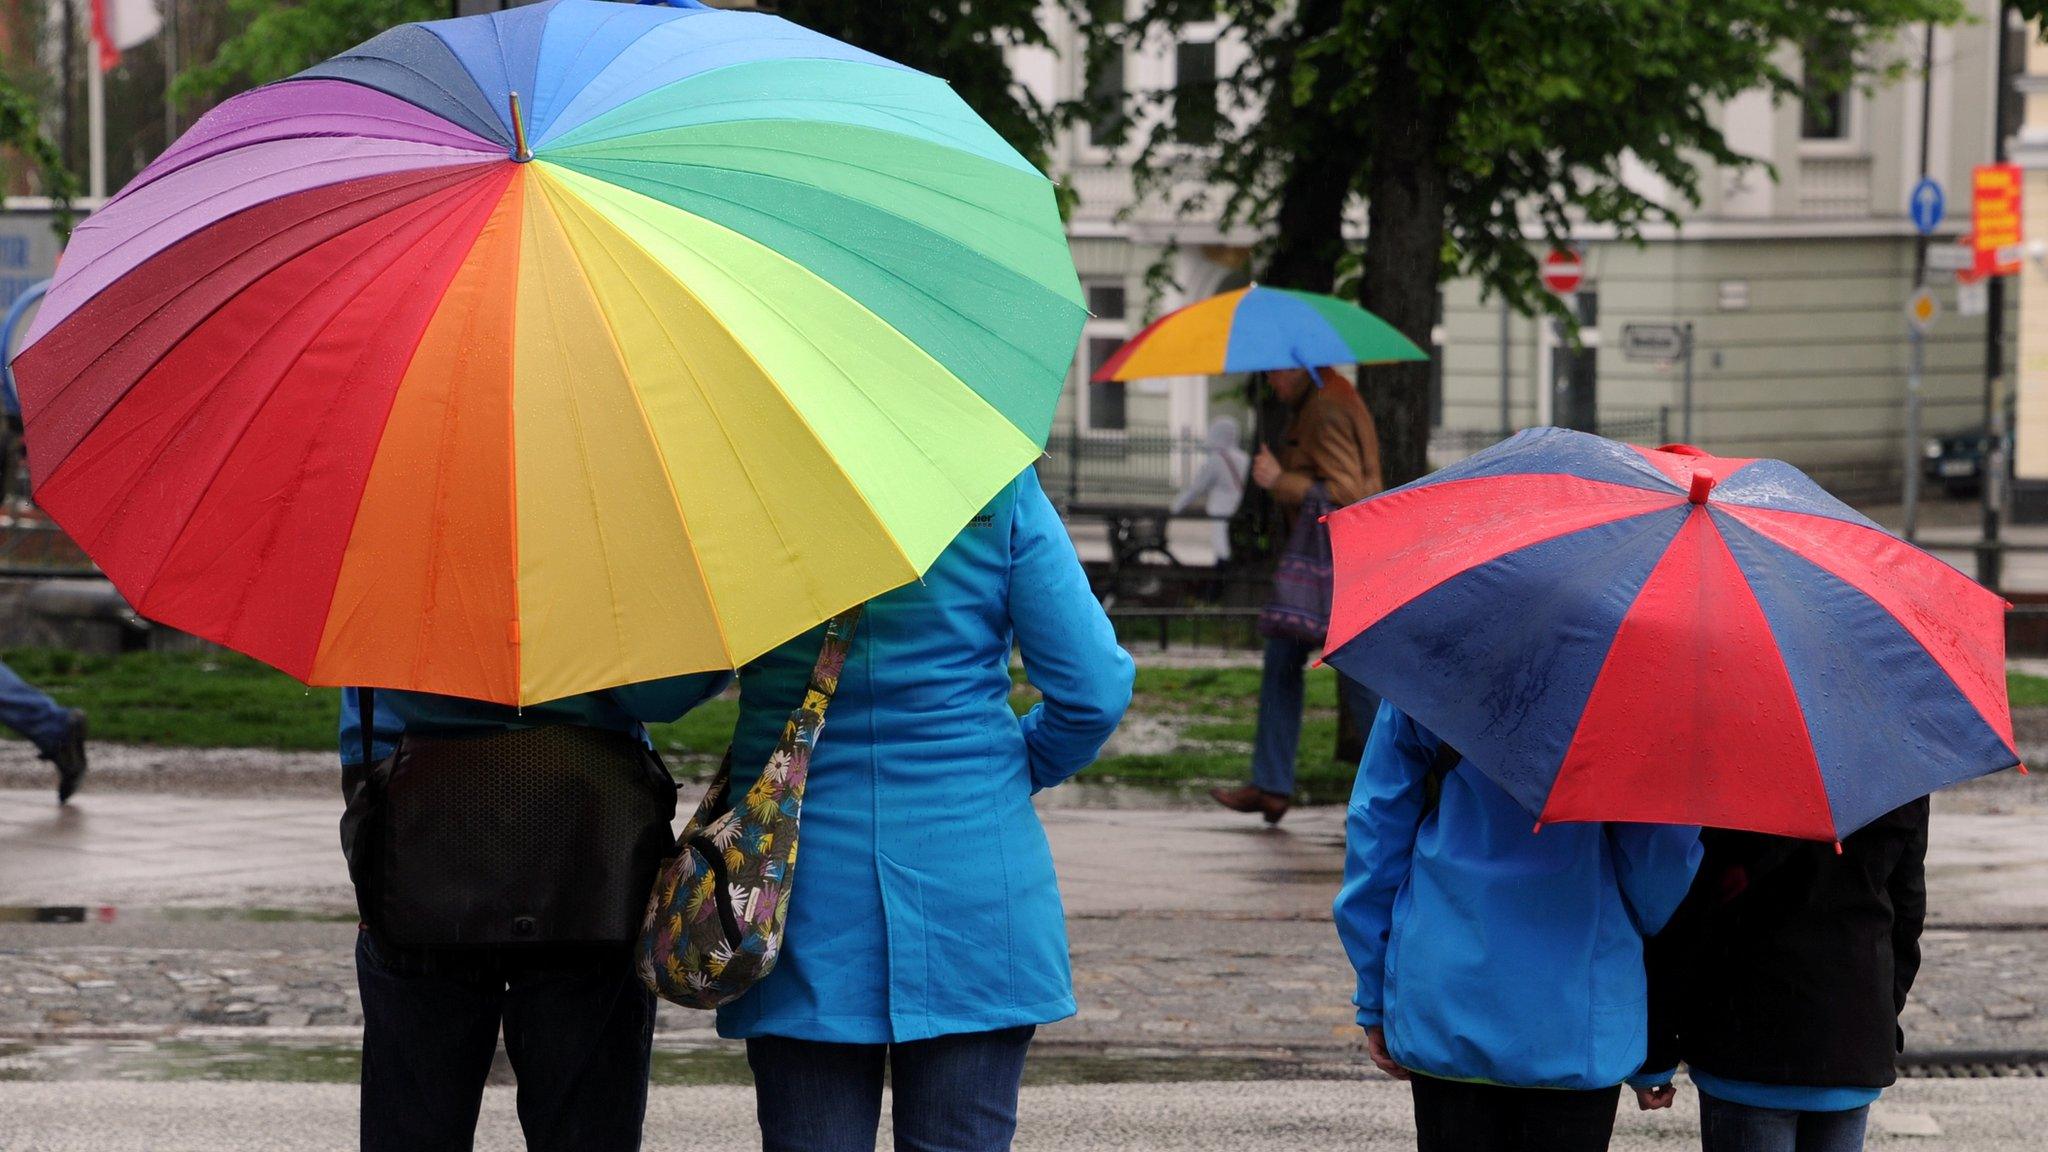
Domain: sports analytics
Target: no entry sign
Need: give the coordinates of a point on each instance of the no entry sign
(1563, 271)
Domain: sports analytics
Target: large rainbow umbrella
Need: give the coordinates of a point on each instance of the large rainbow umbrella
(1617, 633)
(1258, 329)
(522, 355)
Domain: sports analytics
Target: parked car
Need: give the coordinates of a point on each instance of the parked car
(1957, 462)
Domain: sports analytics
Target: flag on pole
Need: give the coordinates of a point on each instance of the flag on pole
(118, 25)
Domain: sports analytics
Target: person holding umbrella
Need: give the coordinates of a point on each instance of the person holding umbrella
(1328, 458)
(501, 858)
(1652, 637)
(1781, 979)
(925, 936)
(1500, 971)
(497, 359)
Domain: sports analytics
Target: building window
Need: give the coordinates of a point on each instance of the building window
(1195, 117)
(1824, 107)
(1107, 118)
(1107, 328)
(1107, 408)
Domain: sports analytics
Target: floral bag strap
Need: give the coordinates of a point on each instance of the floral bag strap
(715, 918)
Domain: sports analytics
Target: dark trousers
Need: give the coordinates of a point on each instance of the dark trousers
(952, 1093)
(1726, 1126)
(1455, 1117)
(578, 1025)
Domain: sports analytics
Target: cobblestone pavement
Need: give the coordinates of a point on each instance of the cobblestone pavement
(1274, 989)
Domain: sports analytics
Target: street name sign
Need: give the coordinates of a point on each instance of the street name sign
(1652, 341)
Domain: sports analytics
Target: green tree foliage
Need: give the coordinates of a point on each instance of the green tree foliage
(1470, 128)
(21, 128)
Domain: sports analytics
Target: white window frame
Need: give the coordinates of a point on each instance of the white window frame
(1100, 328)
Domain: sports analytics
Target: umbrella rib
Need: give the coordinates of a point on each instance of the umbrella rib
(256, 409)
(936, 134)
(870, 262)
(717, 416)
(592, 150)
(335, 397)
(583, 447)
(313, 242)
(431, 82)
(774, 307)
(803, 37)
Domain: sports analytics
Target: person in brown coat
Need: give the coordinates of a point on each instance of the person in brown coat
(1330, 441)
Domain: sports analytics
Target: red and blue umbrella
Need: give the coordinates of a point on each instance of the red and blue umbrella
(1664, 636)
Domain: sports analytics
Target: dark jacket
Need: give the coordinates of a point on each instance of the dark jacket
(1789, 962)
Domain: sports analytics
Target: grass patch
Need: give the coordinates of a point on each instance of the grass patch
(2027, 691)
(224, 700)
(185, 699)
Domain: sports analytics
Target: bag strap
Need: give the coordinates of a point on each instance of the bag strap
(1440, 769)
(366, 723)
(800, 732)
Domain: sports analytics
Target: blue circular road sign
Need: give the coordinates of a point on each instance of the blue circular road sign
(1928, 204)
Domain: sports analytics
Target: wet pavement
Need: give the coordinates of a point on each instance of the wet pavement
(1196, 932)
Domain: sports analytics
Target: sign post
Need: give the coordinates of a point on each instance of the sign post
(1921, 312)
(1664, 344)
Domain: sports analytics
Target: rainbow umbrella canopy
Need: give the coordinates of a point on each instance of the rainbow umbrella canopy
(521, 355)
(1258, 329)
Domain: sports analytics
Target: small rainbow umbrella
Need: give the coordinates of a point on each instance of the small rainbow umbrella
(1258, 329)
(1615, 633)
(523, 355)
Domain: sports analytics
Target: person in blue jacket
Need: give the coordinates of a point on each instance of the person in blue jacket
(925, 932)
(578, 1025)
(1500, 968)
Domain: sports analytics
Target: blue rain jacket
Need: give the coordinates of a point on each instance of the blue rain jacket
(624, 709)
(1491, 952)
(925, 902)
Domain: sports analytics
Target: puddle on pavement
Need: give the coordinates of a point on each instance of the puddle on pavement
(274, 1062)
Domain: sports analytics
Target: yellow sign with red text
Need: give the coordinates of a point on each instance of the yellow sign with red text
(1995, 218)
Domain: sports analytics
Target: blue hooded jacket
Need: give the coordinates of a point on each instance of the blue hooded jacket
(925, 902)
(1491, 952)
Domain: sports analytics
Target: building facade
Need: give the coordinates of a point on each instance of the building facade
(1794, 279)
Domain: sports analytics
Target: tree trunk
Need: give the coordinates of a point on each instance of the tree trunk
(1408, 189)
(1308, 248)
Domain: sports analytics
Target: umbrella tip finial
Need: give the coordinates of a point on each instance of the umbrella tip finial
(1702, 483)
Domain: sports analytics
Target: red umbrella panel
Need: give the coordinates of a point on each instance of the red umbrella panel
(1616, 633)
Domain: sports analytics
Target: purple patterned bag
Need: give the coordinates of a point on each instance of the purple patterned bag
(1299, 607)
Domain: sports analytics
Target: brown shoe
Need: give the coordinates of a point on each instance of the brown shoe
(1246, 798)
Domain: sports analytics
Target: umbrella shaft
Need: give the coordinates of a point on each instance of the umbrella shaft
(521, 152)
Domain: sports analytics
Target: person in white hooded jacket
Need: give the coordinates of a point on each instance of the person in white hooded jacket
(1219, 483)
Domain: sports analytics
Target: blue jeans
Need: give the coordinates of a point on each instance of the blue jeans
(952, 1093)
(1729, 1127)
(1278, 739)
(579, 1029)
(42, 720)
